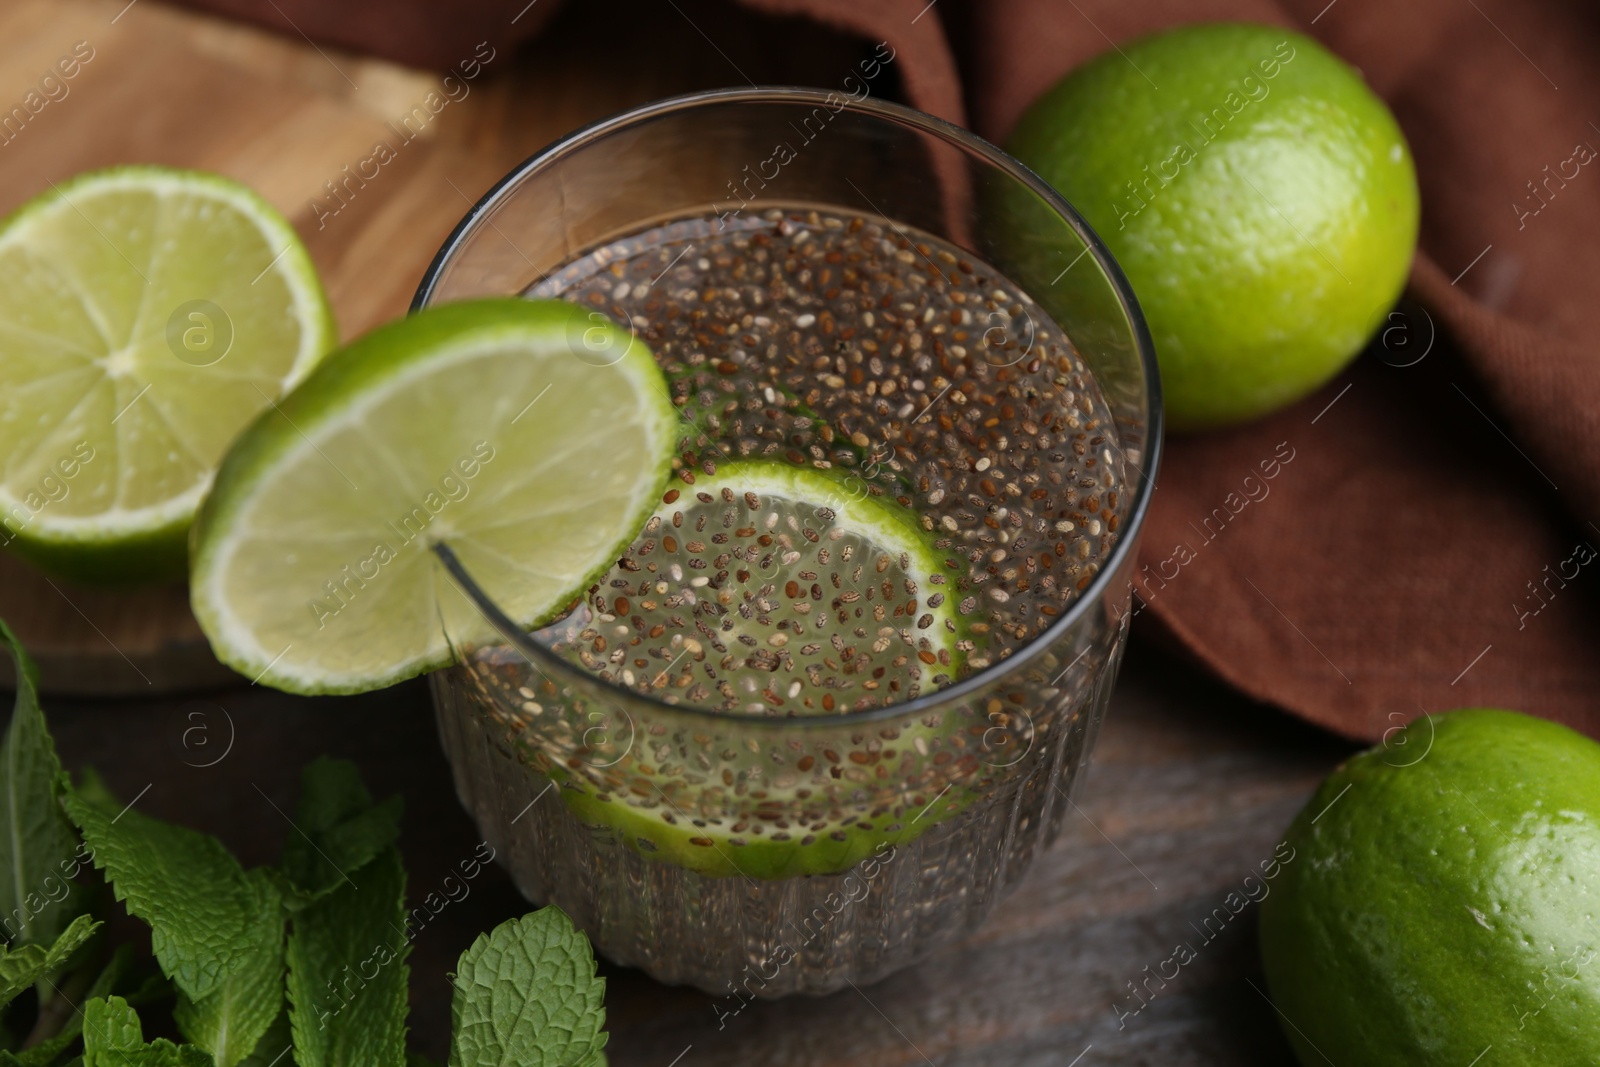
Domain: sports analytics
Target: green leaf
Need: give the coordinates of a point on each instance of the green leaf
(110, 1026)
(340, 830)
(112, 1037)
(209, 918)
(527, 994)
(38, 847)
(232, 1021)
(21, 967)
(348, 978)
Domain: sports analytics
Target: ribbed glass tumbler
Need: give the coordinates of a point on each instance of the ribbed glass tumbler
(758, 855)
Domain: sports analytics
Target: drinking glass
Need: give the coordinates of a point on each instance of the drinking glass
(908, 822)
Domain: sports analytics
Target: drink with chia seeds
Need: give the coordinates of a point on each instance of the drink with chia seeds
(825, 708)
(921, 381)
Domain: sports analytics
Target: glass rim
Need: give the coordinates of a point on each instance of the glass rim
(963, 140)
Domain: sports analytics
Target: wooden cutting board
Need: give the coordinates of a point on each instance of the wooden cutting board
(165, 85)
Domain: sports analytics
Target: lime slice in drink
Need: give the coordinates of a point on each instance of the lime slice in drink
(146, 314)
(772, 589)
(530, 436)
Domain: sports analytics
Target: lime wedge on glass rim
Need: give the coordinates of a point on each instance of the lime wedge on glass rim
(146, 315)
(531, 440)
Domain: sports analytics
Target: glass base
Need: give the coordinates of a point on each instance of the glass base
(740, 937)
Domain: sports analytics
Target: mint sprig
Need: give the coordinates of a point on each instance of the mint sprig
(308, 957)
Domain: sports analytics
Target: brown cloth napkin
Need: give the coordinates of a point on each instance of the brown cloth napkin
(1428, 534)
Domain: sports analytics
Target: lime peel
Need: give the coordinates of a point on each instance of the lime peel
(487, 424)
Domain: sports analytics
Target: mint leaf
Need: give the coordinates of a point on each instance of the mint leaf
(347, 972)
(37, 843)
(21, 967)
(231, 1022)
(209, 919)
(527, 994)
(340, 830)
(112, 1026)
(112, 1037)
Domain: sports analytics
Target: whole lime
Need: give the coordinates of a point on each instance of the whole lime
(1260, 198)
(1443, 899)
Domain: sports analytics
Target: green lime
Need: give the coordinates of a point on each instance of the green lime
(1440, 900)
(147, 315)
(773, 590)
(531, 440)
(1260, 198)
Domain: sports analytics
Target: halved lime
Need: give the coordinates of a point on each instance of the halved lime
(525, 434)
(146, 315)
(773, 589)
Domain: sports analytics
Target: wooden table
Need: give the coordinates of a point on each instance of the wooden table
(1191, 786)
